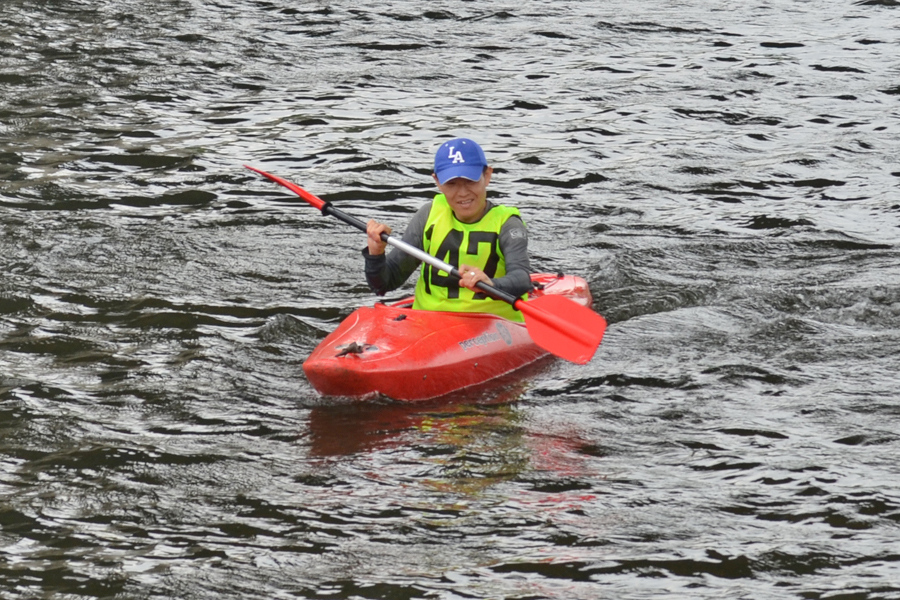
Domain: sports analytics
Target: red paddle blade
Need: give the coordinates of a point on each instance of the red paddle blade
(563, 327)
(314, 200)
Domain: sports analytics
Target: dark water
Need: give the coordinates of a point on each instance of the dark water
(724, 174)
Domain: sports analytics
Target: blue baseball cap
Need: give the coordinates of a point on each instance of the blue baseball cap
(459, 157)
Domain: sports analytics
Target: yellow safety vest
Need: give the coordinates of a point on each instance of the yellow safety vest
(457, 243)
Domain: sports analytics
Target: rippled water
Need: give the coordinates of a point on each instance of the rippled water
(724, 174)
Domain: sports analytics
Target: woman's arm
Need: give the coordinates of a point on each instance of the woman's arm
(387, 272)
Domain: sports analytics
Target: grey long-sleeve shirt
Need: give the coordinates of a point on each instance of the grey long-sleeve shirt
(387, 272)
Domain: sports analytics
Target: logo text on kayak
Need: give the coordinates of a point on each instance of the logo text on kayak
(487, 338)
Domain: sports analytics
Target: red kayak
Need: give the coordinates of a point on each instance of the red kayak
(406, 354)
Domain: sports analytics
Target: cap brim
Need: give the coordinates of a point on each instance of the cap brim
(472, 173)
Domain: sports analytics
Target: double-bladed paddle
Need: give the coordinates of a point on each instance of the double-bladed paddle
(557, 324)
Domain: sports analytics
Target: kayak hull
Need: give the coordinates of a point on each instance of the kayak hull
(410, 355)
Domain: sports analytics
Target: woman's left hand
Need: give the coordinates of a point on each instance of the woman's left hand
(472, 275)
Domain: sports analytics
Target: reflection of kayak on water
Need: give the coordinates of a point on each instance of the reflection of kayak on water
(344, 428)
(407, 354)
(464, 447)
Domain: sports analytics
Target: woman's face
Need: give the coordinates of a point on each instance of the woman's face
(467, 198)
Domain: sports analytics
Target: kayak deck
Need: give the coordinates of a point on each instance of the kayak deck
(409, 355)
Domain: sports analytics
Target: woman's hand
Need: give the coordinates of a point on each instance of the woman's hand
(374, 229)
(472, 275)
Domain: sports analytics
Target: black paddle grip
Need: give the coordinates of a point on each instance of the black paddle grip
(328, 209)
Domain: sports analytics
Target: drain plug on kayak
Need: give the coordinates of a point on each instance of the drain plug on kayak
(354, 348)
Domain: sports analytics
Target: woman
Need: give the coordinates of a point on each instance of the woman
(485, 241)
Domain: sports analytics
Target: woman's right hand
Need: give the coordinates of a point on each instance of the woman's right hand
(374, 229)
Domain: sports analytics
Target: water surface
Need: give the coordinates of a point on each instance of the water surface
(723, 174)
